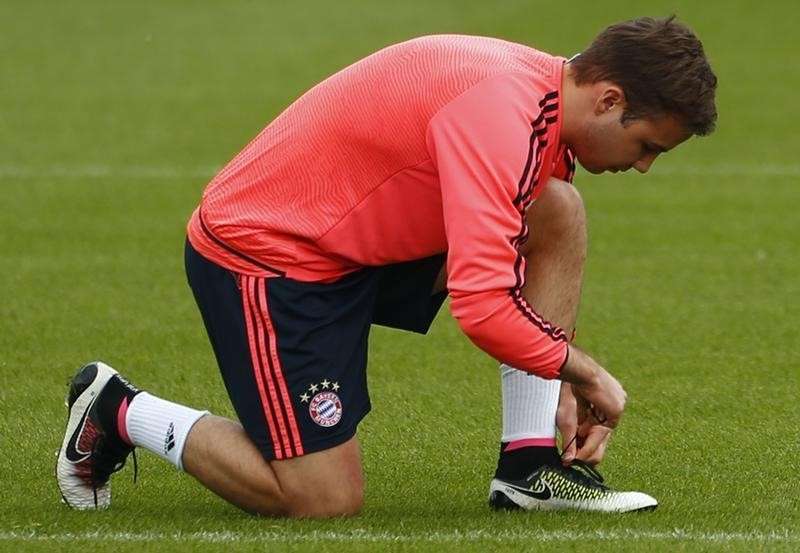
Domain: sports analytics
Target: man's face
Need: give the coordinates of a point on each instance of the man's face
(606, 144)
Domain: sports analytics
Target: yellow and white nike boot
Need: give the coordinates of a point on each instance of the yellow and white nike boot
(578, 487)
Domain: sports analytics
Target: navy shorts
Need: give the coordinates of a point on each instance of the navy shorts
(293, 355)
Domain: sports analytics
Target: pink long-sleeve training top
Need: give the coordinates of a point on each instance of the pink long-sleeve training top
(437, 144)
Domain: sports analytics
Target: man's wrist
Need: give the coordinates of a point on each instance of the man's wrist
(579, 368)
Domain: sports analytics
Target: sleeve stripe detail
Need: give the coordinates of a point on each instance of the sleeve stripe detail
(555, 332)
(538, 129)
(552, 95)
(528, 181)
(535, 178)
(524, 178)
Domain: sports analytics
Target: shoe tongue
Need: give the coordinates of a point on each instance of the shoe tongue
(113, 396)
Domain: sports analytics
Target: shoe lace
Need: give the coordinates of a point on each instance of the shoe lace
(588, 471)
(107, 460)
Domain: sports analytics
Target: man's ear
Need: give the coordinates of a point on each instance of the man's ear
(610, 96)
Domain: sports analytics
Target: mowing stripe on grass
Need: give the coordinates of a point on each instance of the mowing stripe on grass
(166, 172)
(106, 171)
(366, 536)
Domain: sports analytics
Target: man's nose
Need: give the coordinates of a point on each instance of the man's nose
(643, 164)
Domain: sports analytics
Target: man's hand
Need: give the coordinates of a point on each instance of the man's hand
(583, 437)
(567, 423)
(592, 384)
(592, 439)
(590, 406)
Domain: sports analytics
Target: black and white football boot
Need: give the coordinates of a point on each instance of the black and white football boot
(578, 487)
(92, 449)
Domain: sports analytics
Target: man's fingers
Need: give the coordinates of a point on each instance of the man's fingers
(570, 449)
(593, 416)
(588, 422)
(567, 423)
(594, 446)
(600, 452)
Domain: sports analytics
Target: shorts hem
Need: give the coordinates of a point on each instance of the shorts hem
(328, 442)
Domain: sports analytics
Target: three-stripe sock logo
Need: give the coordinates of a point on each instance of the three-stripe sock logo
(169, 440)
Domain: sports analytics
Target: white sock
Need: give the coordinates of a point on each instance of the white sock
(529, 406)
(160, 426)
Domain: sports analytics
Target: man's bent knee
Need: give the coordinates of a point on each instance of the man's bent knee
(301, 500)
(560, 205)
(557, 216)
(323, 484)
(334, 500)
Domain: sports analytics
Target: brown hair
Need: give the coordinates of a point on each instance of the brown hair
(661, 67)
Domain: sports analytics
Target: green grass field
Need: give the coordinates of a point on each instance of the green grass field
(114, 116)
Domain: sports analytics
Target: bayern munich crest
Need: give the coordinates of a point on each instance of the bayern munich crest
(325, 407)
